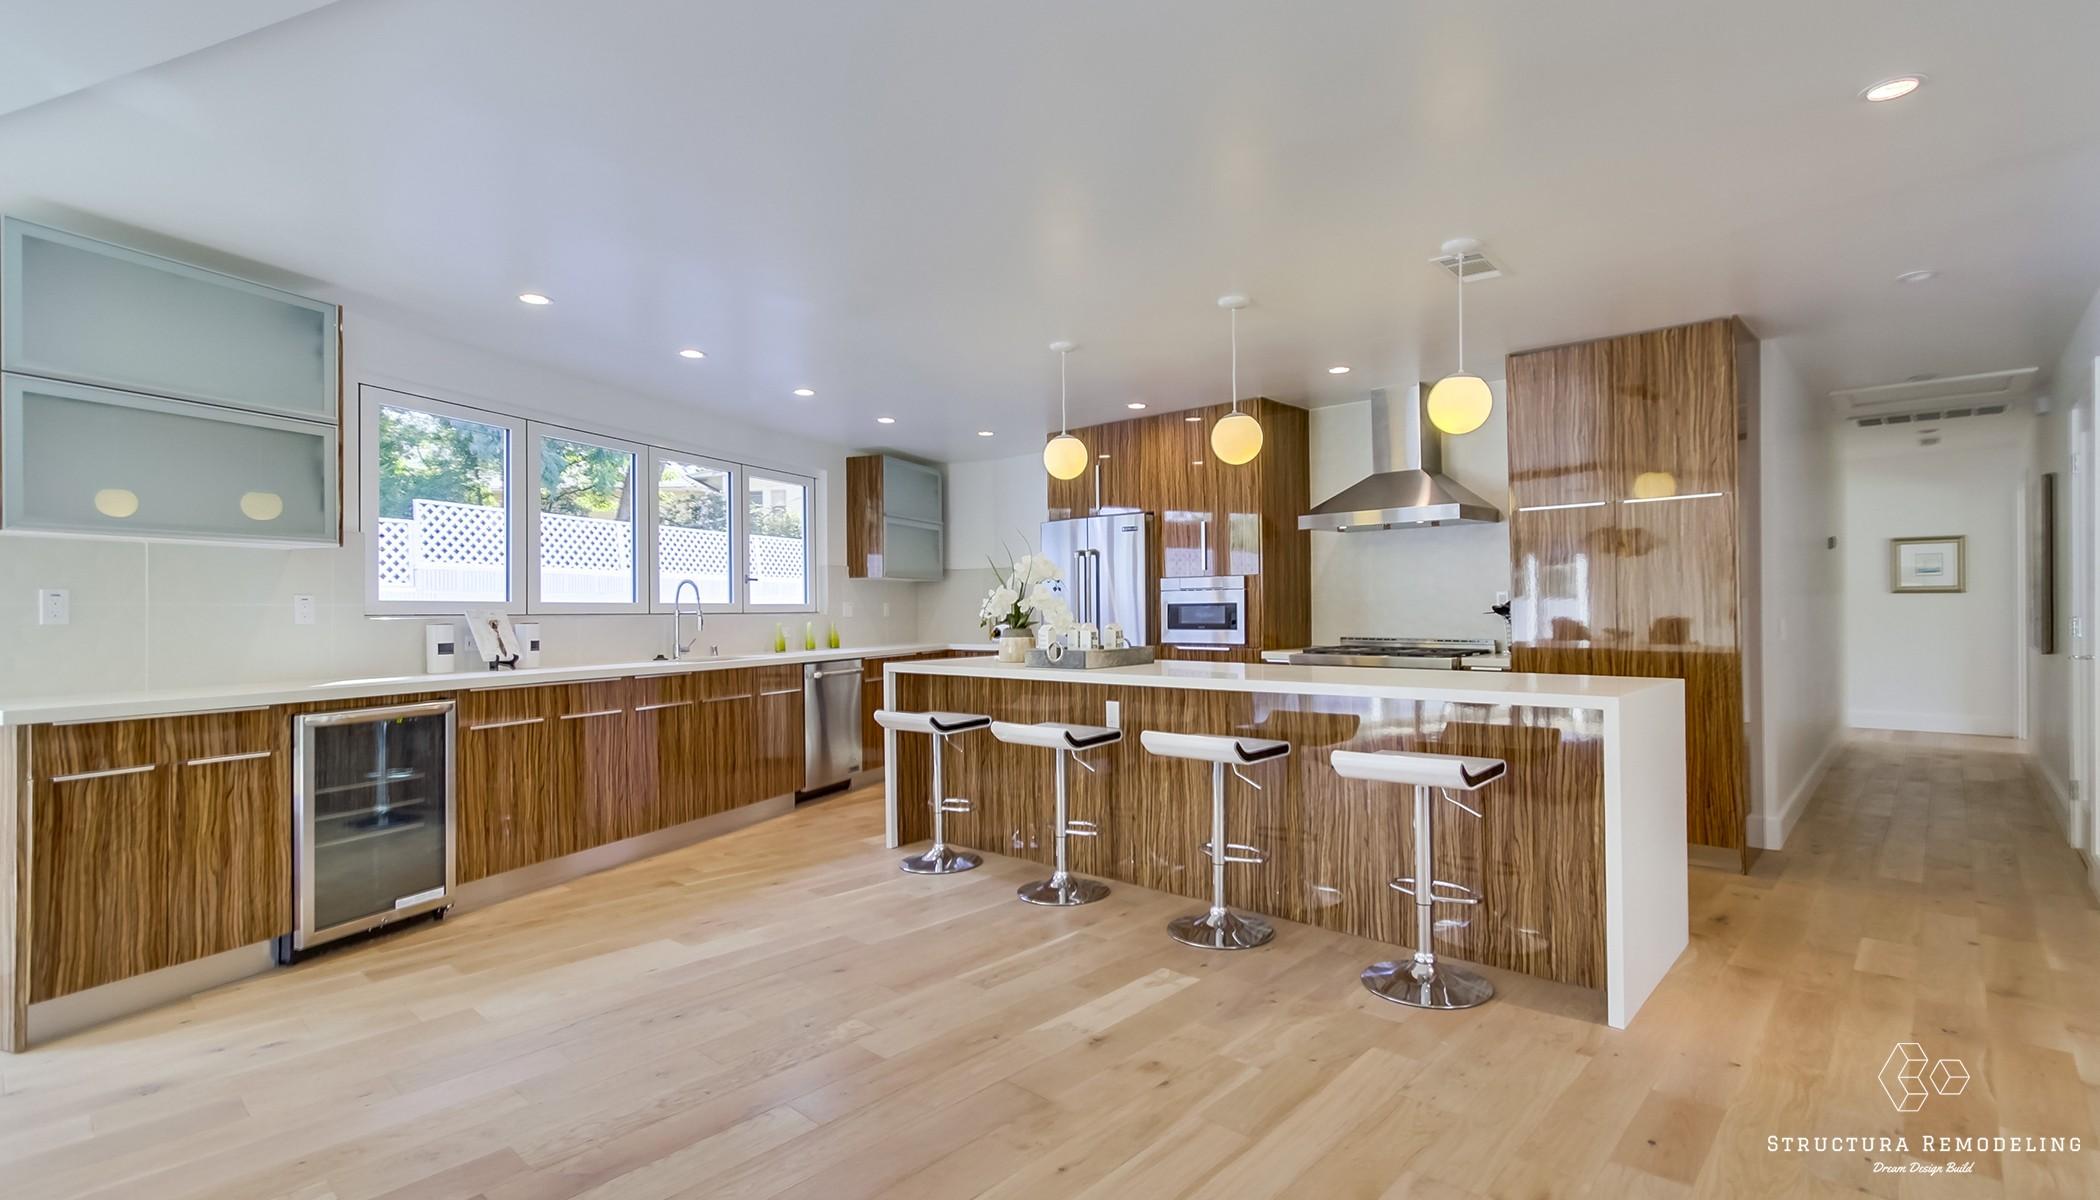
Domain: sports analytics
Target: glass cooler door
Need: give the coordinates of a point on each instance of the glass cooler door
(374, 817)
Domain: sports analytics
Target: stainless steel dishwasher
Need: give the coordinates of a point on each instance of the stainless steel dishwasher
(830, 724)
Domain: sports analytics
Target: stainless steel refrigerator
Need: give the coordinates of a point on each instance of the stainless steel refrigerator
(1108, 570)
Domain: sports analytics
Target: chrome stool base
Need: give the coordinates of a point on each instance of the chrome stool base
(1221, 929)
(1426, 985)
(941, 860)
(1070, 892)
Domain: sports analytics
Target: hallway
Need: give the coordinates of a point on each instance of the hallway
(779, 1012)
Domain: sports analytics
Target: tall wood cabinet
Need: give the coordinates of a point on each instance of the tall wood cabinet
(1212, 518)
(1633, 478)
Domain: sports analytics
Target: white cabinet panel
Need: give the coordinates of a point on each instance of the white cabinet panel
(90, 460)
(76, 308)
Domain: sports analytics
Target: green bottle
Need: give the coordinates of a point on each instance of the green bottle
(834, 635)
(809, 635)
(780, 638)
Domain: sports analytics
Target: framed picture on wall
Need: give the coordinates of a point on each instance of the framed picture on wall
(2041, 566)
(1927, 564)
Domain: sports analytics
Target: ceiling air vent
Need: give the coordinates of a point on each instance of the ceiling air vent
(1929, 398)
(1866, 422)
(1472, 267)
(1896, 419)
(1989, 410)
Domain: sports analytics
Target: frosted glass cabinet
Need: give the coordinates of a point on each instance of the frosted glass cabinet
(894, 525)
(144, 397)
(77, 459)
(89, 311)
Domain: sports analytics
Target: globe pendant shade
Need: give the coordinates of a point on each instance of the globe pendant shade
(1065, 457)
(1460, 403)
(1236, 438)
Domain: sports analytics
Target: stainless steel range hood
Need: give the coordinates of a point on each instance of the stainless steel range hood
(1407, 488)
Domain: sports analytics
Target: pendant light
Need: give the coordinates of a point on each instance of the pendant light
(1460, 403)
(1236, 438)
(1065, 456)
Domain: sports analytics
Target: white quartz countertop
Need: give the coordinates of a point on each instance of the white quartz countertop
(1464, 687)
(31, 710)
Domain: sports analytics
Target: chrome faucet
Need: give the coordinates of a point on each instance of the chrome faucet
(679, 649)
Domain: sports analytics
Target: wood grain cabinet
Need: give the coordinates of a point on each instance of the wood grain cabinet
(509, 788)
(894, 519)
(729, 732)
(154, 843)
(779, 720)
(672, 758)
(1633, 474)
(1212, 518)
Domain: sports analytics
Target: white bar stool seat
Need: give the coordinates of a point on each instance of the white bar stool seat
(1220, 928)
(1063, 889)
(1424, 982)
(938, 859)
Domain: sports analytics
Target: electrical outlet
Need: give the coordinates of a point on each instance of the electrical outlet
(1501, 597)
(885, 609)
(1114, 717)
(54, 606)
(302, 610)
(846, 611)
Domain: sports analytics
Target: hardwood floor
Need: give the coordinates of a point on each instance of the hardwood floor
(781, 1013)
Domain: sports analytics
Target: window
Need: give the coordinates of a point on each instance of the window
(693, 504)
(467, 507)
(776, 541)
(588, 536)
(437, 491)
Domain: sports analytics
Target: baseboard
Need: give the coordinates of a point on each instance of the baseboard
(1770, 830)
(63, 1015)
(1981, 724)
(2057, 791)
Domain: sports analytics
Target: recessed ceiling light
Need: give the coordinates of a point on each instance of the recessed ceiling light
(1135, 404)
(533, 298)
(984, 433)
(1337, 370)
(1893, 89)
(689, 352)
(885, 420)
(1915, 276)
(804, 392)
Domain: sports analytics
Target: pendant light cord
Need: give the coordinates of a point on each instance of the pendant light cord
(1064, 417)
(1235, 358)
(1461, 312)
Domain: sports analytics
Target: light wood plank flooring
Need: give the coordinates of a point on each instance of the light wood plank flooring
(780, 1013)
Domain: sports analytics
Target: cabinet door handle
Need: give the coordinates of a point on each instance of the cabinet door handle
(225, 758)
(727, 699)
(506, 724)
(661, 705)
(603, 712)
(77, 776)
(783, 692)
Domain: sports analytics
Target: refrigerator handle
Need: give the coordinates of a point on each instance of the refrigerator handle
(1093, 573)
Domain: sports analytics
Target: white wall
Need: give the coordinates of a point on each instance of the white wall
(1799, 604)
(995, 507)
(2050, 679)
(165, 615)
(1939, 663)
(1410, 582)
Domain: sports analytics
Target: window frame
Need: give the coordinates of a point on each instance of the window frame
(811, 595)
(644, 521)
(373, 397)
(738, 592)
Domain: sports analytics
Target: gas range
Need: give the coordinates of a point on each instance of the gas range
(1431, 654)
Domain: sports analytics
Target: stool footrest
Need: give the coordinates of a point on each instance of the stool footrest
(1235, 852)
(954, 804)
(1074, 827)
(1406, 886)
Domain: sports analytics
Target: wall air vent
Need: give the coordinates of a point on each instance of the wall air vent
(1865, 422)
(1896, 419)
(1930, 398)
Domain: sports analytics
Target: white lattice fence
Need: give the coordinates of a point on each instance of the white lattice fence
(455, 552)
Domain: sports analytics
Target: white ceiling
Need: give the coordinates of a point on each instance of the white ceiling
(899, 204)
(56, 47)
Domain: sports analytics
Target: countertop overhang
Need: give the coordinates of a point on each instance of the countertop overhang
(1465, 687)
(123, 706)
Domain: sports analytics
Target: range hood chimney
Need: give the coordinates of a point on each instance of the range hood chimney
(1407, 488)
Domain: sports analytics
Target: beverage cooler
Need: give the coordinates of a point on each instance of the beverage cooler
(373, 839)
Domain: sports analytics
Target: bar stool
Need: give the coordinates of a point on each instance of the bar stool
(1424, 982)
(1063, 889)
(1220, 928)
(938, 859)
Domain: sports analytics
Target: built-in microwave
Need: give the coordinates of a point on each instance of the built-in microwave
(1203, 610)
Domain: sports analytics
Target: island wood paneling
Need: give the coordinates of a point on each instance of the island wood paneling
(1333, 844)
(1211, 518)
(1645, 433)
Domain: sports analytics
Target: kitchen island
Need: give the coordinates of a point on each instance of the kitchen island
(1579, 857)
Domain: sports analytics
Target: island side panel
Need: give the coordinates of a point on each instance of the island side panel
(1647, 865)
(1333, 844)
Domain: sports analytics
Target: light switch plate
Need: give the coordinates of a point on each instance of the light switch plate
(1114, 717)
(54, 606)
(846, 611)
(885, 608)
(302, 610)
